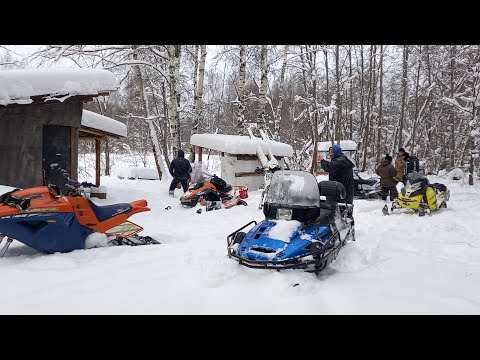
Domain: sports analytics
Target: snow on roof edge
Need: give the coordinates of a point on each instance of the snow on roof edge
(239, 144)
(96, 121)
(20, 85)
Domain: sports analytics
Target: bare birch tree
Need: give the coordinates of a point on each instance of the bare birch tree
(198, 98)
(278, 112)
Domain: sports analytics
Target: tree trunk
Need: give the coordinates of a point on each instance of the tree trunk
(327, 99)
(380, 110)
(191, 155)
(153, 134)
(351, 91)
(338, 102)
(241, 92)
(174, 64)
(278, 113)
(362, 78)
(164, 123)
(198, 99)
(367, 125)
(417, 85)
(404, 95)
(452, 94)
(262, 91)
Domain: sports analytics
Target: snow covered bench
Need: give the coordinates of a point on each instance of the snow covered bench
(133, 173)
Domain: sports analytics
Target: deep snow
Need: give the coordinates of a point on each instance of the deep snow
(399, 264)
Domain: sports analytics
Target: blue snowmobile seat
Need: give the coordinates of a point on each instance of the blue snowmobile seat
(105, 212)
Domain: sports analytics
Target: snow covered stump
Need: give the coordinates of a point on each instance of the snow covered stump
(98, 192)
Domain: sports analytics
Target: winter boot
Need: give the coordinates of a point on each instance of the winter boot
(170, 192)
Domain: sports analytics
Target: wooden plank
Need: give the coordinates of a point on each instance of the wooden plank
(247, 157)
(199, 153)
(243, 174)
(97, 162)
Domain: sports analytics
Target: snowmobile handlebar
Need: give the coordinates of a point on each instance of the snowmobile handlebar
(54, 191)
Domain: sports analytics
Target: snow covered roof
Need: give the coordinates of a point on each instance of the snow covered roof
(239, 144)
(18, 86)
(103, 123)
(346, 145)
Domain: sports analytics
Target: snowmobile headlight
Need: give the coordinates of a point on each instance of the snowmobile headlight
(284, 214)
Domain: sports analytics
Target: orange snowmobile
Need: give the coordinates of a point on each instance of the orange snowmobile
(48, 221)
(215, 192)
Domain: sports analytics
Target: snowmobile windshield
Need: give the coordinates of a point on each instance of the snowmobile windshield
(199, 172)
(415, 177)
(293, 189)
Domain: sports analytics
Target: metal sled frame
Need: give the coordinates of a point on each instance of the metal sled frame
(6, 246)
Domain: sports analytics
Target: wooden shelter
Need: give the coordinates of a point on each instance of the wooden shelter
(41, 121)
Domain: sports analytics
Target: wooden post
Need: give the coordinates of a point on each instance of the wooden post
(199, 153)
(107, 158)
(97, 162)
(73, 153)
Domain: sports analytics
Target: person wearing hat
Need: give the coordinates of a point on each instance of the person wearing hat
(340, 169)
(387, 172)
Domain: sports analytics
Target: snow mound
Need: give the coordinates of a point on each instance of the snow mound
(96, 240)
(131, 172)
(283, 229)
(353, 259)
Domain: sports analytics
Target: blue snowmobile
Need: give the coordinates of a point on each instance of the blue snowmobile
(306, 224)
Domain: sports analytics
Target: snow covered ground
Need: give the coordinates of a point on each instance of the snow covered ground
(400, 264)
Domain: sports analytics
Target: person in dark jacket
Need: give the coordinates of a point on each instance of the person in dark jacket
(180, 170)
(340, 169)
(387, 172)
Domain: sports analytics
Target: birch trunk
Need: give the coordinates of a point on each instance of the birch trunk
(153, 135)
(241, 92)
(452, 94)
(164, 123)
(278, 113)
(173, 72)
(380, 110)
(367, 125)
(351, 91)
(262, 91)
(198, 98)
(338, 102)
(404, 95)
